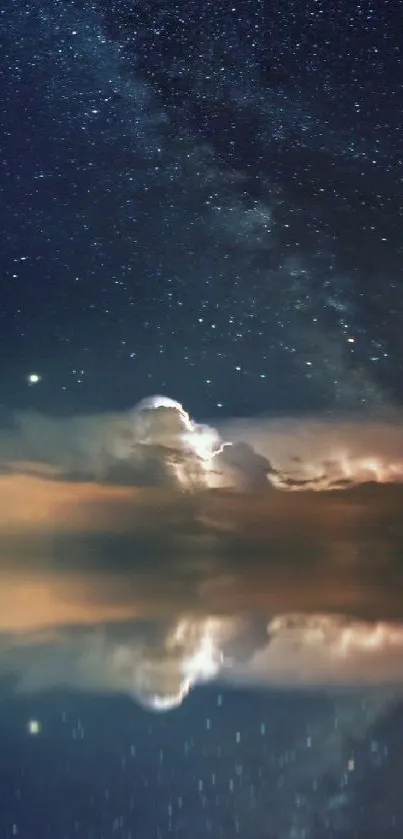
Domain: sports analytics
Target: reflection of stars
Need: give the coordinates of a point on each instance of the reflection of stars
(34, 727)
(33, 378)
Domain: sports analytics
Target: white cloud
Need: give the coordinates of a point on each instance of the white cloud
(158, 665)
(155, 664)
(327, 651)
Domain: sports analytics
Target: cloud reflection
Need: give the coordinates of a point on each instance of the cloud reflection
(145, 553)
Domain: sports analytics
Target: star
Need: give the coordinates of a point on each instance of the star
(34, 727)
(33, 378)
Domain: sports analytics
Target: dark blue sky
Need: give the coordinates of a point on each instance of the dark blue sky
(226, 764)
(203, 201)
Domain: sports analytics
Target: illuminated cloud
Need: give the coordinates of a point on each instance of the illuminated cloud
(156, 664)
(154, 444)
(117, 522)
(321, 453)
(327, 651)
(157, 443)
(153, 479)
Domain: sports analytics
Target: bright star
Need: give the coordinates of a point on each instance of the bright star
(34, 727)
(33, 378)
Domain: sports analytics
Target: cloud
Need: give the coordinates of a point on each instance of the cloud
(328, 651)
(124, 489)
(323, 452)
(154, 444)
(144, 552)
(158, 444)
(152, 474)
(157, 663)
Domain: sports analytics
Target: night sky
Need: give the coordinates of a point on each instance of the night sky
(99, 770)
(201, 199)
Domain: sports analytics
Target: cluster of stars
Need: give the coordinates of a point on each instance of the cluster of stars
(250, 762)
(223, 227)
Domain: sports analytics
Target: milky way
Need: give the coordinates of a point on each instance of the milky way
(201, 200)
(210, 212)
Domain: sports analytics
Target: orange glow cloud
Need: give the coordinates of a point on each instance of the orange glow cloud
(97, 540)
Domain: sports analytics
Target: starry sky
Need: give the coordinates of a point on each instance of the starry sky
(167, 776)
(201, 199)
